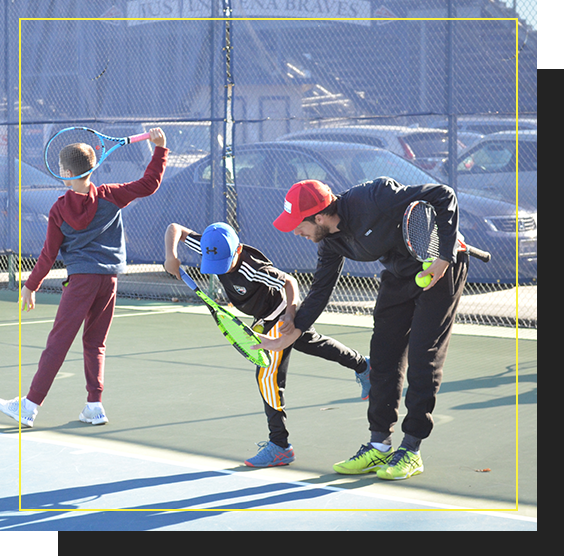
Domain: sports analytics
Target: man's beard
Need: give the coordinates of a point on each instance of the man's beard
(320, 233)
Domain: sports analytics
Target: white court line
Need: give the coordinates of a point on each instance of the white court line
(139, 314)
(338, 319)
(362, 321)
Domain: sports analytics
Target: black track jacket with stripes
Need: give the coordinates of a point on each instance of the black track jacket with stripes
(255, 286)
(370, 229)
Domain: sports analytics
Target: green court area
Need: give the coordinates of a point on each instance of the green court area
(173, 383)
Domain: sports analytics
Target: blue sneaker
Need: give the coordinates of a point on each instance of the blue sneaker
(271, 455)
(364, 380)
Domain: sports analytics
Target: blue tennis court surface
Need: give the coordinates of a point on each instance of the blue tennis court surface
(68, 487)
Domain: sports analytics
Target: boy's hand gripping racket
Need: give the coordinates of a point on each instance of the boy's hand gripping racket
(421, 236)
(102, 144)
(240, 336)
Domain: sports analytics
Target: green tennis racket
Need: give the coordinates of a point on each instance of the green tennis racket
(239, 335)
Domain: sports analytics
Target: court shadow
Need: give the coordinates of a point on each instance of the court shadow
(72, 426)
(14, 429)
(345, 482)
(346, 400)
(53, 510)
(491, 384)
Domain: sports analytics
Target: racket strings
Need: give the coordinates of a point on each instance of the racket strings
(241, 338)
(423, 232)
(76, 150)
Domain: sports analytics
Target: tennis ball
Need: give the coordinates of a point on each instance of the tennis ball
(427, 264)
(424, 281)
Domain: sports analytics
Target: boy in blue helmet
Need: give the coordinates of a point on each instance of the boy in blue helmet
(270, 296)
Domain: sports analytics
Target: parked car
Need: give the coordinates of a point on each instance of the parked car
(424, 147)
(39, 191)
(485, 125)
(489, 168)
(265, 172)
(186, 141)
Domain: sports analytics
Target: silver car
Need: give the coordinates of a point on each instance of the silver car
(490, 167)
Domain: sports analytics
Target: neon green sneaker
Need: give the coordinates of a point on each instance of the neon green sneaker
(366, 460)
(403, 464)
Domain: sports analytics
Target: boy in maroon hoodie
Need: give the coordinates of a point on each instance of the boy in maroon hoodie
(86, 226)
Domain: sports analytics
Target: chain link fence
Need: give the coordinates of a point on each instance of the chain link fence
(255, 96)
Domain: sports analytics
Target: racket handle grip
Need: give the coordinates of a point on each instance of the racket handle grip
(187, 280)
(140, 137)
(478, 253)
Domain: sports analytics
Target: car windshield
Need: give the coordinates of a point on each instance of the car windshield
(428, 144)
(358, 166)
(187, 137)
(500, 156)
(30, 176)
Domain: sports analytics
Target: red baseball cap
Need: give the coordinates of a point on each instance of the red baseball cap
(303, 199)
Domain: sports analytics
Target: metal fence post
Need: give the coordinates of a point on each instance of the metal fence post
(12, 156)
(229, 177)
(12, 269)
(452, 119)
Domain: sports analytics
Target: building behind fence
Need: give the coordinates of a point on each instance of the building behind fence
(254, 96)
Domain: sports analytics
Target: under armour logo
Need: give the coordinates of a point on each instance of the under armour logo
(208, 250)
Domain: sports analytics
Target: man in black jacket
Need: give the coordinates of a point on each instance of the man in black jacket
(412, 326)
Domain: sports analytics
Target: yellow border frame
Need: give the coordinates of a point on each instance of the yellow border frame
(516, 20)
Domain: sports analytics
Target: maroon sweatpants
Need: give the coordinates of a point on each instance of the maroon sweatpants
(88, 298)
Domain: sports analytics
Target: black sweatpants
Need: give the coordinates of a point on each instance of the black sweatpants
(272, 380)
(412, 330)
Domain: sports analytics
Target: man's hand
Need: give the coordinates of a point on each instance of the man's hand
(277, 344)
(287, 326)
(437, 269)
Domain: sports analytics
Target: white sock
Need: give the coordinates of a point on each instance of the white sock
(94, 405)
(381, 447)
(29, 405)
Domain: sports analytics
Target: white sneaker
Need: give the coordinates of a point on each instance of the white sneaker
(12, 409)
(94, 414)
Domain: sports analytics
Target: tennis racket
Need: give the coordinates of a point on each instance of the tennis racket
(421, 236)
(103, 146)
(239, 335)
